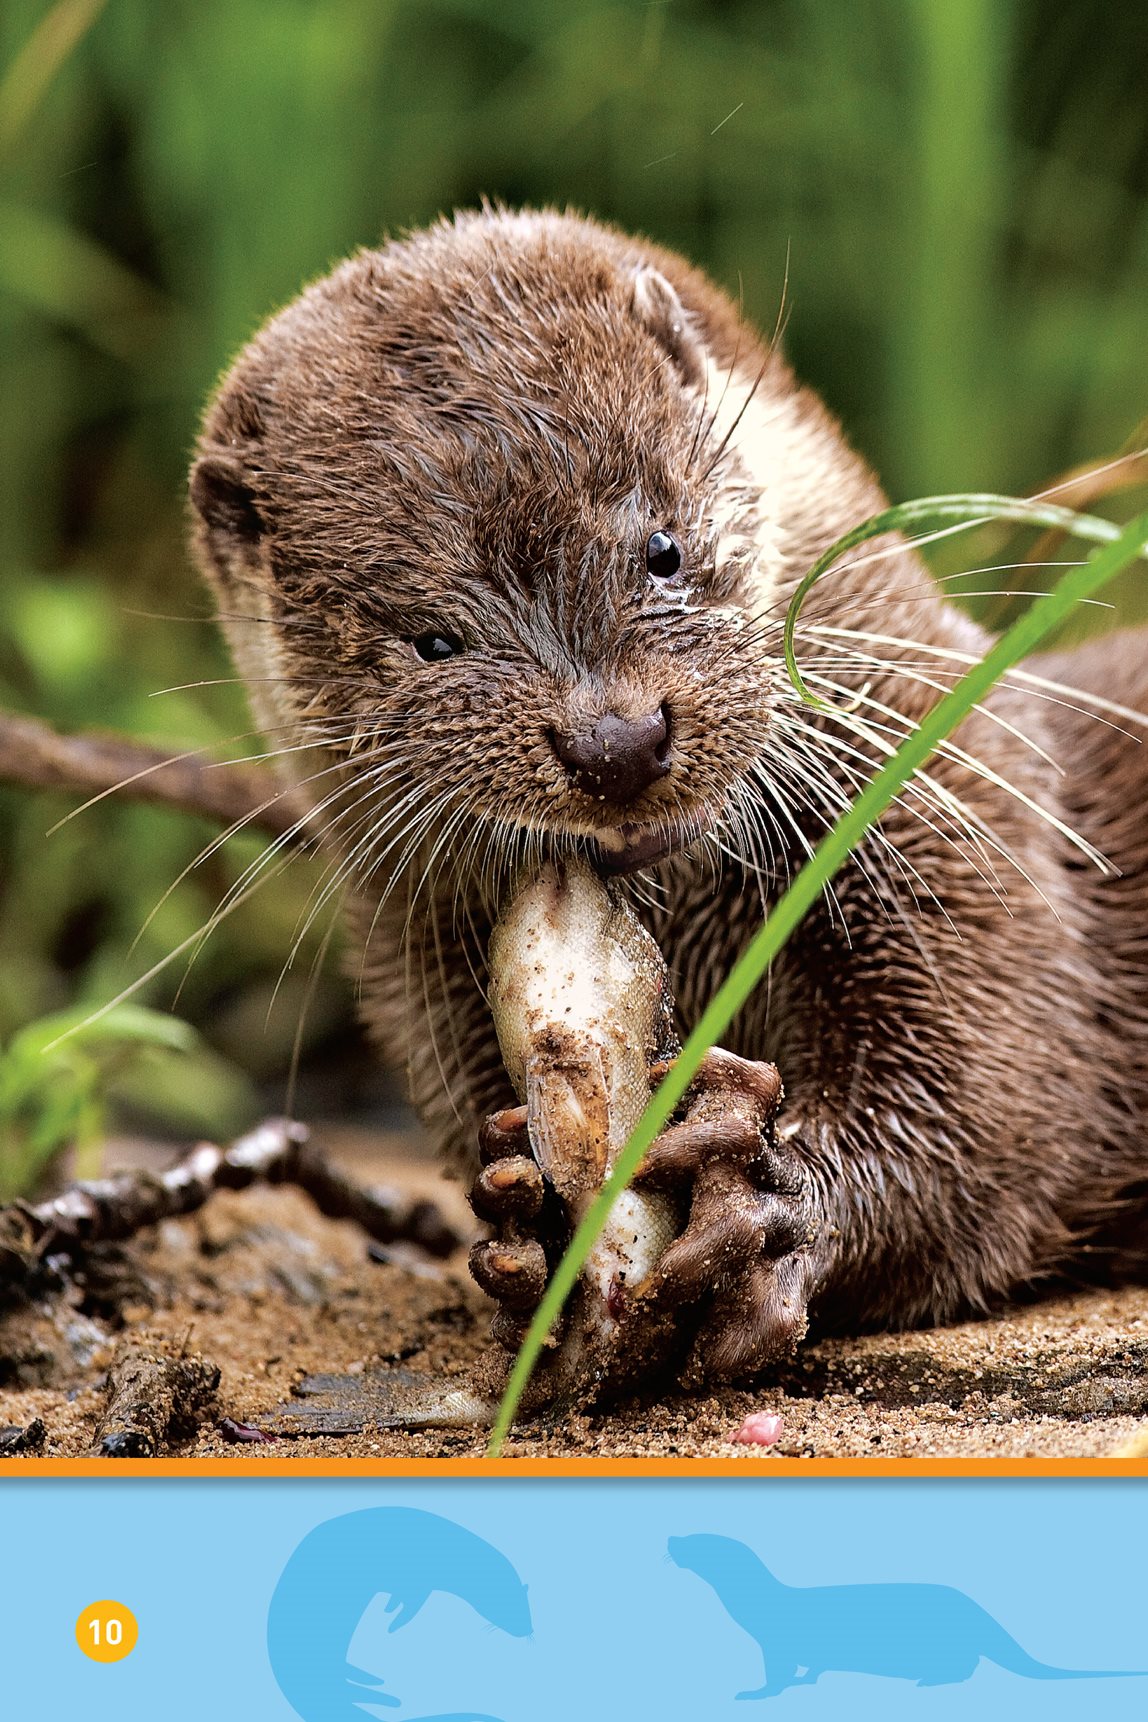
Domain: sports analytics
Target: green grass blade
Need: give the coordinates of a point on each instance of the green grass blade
(975, 509)
(1020, 640)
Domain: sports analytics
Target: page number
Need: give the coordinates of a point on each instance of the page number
(107, 1631)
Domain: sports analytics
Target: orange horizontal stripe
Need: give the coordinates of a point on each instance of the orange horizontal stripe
(747, 1469)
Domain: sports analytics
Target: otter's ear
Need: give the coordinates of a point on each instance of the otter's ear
(222, 495)
(659, 308)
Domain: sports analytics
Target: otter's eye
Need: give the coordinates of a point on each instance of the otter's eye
(663, 557)
(433, 648)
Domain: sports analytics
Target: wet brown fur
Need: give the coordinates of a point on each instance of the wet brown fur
(473, 431)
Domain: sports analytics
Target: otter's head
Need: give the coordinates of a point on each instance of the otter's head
(724, 1563)
(490, 519)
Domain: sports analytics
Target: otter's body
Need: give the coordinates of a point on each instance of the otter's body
(928, 1633)
(337, 1571)
(503, 520)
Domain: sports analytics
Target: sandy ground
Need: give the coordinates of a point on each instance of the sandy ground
(261, 1289)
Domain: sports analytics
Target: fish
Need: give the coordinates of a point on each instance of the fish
(584, 1013)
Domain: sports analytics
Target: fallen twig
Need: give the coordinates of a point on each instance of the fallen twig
(107, 1210)
(35, 756)
(153, 1400)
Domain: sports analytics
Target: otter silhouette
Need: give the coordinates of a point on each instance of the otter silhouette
(929, 1633)
(341, 1566)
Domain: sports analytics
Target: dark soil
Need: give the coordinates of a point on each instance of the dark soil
(186, 1341)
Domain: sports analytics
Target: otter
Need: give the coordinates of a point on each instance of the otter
(342, 1565)
(929, 1633)
(502, 520)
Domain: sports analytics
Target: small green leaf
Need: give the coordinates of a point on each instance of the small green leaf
(56, 1076)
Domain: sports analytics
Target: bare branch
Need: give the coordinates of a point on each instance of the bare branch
(35, 756)
(278, 1151)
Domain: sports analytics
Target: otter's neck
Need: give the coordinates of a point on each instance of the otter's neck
(748, 1589)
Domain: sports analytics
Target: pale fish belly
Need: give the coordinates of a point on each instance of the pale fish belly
(580, 1001)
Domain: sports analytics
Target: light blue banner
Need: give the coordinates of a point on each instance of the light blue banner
(532, 1601)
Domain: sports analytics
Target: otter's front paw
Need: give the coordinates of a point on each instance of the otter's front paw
(744, 1254)
(513, 1266)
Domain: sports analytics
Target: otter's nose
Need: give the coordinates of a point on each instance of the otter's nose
(619, 757)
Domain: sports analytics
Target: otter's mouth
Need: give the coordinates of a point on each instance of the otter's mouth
(628, 847)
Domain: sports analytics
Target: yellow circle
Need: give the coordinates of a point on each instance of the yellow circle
(107, 1631)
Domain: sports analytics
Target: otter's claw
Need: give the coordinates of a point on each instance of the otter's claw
(511, 1193)
(509, 1189)
(502, 1134)
(512, 1272)
(751, 1219)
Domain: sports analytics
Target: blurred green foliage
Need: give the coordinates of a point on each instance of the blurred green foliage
(61, 1073)
(958, 189)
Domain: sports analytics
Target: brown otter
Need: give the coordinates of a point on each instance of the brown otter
(503, 519)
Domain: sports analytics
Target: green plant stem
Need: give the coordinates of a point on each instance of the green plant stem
(1020, 640)
(974, 509)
